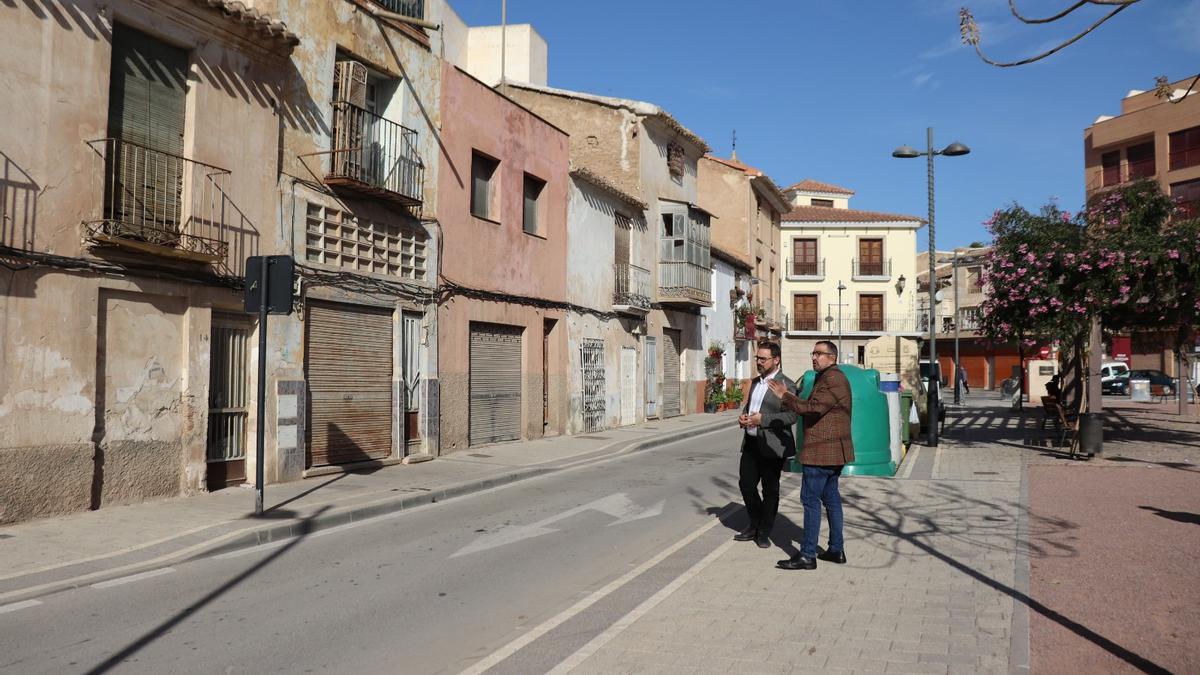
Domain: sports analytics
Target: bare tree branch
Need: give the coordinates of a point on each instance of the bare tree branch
(970, 31)
(1012, 5)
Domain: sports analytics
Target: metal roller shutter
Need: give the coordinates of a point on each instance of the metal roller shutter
(349, 383)
(495, 383)
(671, 343)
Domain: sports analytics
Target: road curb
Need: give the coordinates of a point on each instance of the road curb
(265, 533)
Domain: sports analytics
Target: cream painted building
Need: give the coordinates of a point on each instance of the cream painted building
(476, 49)
(870, 256)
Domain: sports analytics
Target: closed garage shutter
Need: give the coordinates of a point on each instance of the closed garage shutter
(495, 383)
(349, 383)
(671, 342)
(1004, 364)
(976, 367)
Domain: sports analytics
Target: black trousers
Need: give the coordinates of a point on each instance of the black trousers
(758, 466)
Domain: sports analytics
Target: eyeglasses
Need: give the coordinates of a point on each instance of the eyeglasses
(822, 353)
(763, 358)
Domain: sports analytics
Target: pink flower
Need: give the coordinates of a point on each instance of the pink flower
(1173, 254)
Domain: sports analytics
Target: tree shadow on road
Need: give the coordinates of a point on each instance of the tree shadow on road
(942, 521)
(305, 527)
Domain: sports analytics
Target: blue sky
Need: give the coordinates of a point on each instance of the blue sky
(826, 89)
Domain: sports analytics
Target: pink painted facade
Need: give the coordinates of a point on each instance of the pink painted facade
(497, 255)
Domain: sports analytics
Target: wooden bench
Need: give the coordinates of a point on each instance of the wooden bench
(1065, 421)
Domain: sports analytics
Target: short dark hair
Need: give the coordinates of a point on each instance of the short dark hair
(776, 352)
(832, 347)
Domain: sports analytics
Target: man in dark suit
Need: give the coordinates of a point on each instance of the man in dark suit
(766, 444)
(827, 448)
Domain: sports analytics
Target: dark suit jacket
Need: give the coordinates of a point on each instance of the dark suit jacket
(775, 435)
(826, 415)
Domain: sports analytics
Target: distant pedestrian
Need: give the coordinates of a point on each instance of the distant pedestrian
(1052, 387)
(766, 444)
(962, 379)
(827, 448)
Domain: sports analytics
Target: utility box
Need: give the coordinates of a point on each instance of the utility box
(1139, 390)
(1038, 374)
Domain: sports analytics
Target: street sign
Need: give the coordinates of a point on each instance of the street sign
(280, 271)
(268, 291)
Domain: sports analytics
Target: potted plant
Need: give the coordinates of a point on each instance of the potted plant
(716, 400)
(735, 396)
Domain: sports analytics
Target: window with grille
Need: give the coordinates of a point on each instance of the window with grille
(1141, 160)
(828, 203)
(339, 238)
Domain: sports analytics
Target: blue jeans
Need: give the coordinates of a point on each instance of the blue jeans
(820, 486)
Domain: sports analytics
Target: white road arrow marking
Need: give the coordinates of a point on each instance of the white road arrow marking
(618, 506)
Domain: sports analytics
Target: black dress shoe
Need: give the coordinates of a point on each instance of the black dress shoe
(763, 540)
(797, 562)
(838, 557)
(747, 534)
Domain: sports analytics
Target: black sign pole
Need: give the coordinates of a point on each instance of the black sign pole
(261, 428)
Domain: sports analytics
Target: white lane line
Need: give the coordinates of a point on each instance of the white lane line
(574, 660)
(937, 463)
(910, 460)
(553, 622)
(5, 609)
(133, 577)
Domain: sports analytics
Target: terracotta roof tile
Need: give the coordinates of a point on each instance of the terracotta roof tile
(258, 21)
(827, 214)
(810, 185)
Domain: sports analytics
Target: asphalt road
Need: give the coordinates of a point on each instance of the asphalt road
(432, 590)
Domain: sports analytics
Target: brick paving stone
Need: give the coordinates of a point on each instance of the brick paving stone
(917, 668)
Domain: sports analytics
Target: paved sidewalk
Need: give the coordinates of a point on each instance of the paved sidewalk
(52, 554)
(933, 571)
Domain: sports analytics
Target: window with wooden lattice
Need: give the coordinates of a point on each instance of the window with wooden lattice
(675, 159)
(336, 237)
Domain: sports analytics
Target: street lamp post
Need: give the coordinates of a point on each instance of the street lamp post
(841, 287)
(905, 152)
(957, 364)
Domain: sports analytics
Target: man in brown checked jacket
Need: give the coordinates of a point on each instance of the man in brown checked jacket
(827, 448)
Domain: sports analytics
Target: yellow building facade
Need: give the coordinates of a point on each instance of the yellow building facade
(849, 276)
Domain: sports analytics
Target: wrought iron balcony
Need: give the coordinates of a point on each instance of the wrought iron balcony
(375, 156)
(159, 203)
(684, 283)
(872, 269)
(805, 270)
(631, 288)
(411, 8)
(852, 322)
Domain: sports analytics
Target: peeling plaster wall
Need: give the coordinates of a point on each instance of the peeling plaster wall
(603, 139)
(104, 379)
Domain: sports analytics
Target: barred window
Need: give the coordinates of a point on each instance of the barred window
(339, 238)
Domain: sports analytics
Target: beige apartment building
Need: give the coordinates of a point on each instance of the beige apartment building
(848, 273)
(1157, 138)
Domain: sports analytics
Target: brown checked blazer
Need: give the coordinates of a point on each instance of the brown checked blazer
(826, 415)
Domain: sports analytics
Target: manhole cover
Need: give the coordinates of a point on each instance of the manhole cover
(478, 454)
(595, 438)
(986, 473)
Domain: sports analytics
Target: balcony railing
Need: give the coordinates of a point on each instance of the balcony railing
(375, 156)
(852, 322)
(163, 204)
(411, 8)
(811, 269)
(684, 282)
(872, 268)
(969, 318)
(631, 287)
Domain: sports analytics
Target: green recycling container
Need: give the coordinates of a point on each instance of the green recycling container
(868, 423)
(906, 402)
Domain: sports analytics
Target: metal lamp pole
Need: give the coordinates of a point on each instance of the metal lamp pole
(905, 152)
(957, 363)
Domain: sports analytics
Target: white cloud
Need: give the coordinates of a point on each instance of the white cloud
(922, 79)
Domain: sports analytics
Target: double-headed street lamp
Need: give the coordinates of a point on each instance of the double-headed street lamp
(905, 152)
